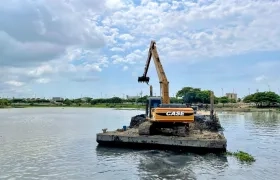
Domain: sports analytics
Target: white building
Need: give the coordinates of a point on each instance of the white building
(57, 99)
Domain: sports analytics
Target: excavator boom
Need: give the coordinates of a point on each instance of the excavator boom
(164, 84)
(159, 112)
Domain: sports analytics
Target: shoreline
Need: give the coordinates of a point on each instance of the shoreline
(54, 106)
(247, 110)
(137, 107)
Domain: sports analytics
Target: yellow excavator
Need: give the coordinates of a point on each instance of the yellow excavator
(162, 116)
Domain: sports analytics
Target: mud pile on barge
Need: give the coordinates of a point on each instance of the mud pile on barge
(204, 136)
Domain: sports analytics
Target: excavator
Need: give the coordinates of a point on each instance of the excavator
(162, 116)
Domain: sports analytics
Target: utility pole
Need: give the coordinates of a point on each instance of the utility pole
(212, 104)
(151, 90)
(222, 91)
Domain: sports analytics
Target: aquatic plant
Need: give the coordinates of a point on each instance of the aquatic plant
(242, 156)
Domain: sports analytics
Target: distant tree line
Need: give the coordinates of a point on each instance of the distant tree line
(188, 95)
(80, 101)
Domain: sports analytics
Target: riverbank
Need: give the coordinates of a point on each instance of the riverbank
(116, 106)
(134, 106)
(247, 109)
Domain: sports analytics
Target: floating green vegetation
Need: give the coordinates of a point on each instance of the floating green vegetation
(242, 156)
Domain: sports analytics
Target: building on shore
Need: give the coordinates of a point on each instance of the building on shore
(132, 97)
(57, 99)
(231, 96)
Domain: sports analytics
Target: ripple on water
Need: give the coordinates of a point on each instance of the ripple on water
(52, 145)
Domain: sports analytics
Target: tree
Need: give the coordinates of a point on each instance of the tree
(77, 101)
(142, 99)
(67, 102)
(248, 99)
(194, 95)
(185, 90)
(115, 100)
(87, 99)
(204, 96)
(4, 102)
(224, 100)
(263, 98)
(175, 100)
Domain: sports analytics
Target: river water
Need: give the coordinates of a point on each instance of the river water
(59, 143)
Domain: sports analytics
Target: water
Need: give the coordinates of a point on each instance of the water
(57, 143)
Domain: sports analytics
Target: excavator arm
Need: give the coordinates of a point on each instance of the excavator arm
(164, 84)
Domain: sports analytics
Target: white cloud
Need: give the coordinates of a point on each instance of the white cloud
(38, 71)
(261, 78)
(60, 39)
(93, 67)
(43, 80)
(126, 37)
(125, 68)
(117, 49)
(85, 79)
(115, 4)
(15, 83)
(213, 28)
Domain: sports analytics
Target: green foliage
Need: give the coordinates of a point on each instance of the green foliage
(184, 90)
(176, 100)
(142, 99)
(4, 102)
(114, 100)
(262, 98)
(67, 102)
(187, 94)
(242, 156)
(223, 100)
(194, 95)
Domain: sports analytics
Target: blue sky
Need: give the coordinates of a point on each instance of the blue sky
(92, 48)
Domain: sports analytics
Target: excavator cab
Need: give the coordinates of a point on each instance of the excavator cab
(152, 102)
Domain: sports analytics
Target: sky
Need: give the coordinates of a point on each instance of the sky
(78, 48)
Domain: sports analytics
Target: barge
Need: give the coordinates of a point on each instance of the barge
(202, 137)
(167, 125)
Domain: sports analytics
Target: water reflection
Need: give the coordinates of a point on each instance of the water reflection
(267, 119)
(164, 164)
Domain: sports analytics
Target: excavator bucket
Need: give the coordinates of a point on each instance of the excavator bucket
(143, 79)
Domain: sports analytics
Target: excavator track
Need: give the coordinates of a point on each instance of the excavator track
(145, 128)
(150, 128)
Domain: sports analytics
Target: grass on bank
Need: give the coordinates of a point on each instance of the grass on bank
(242, 156)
